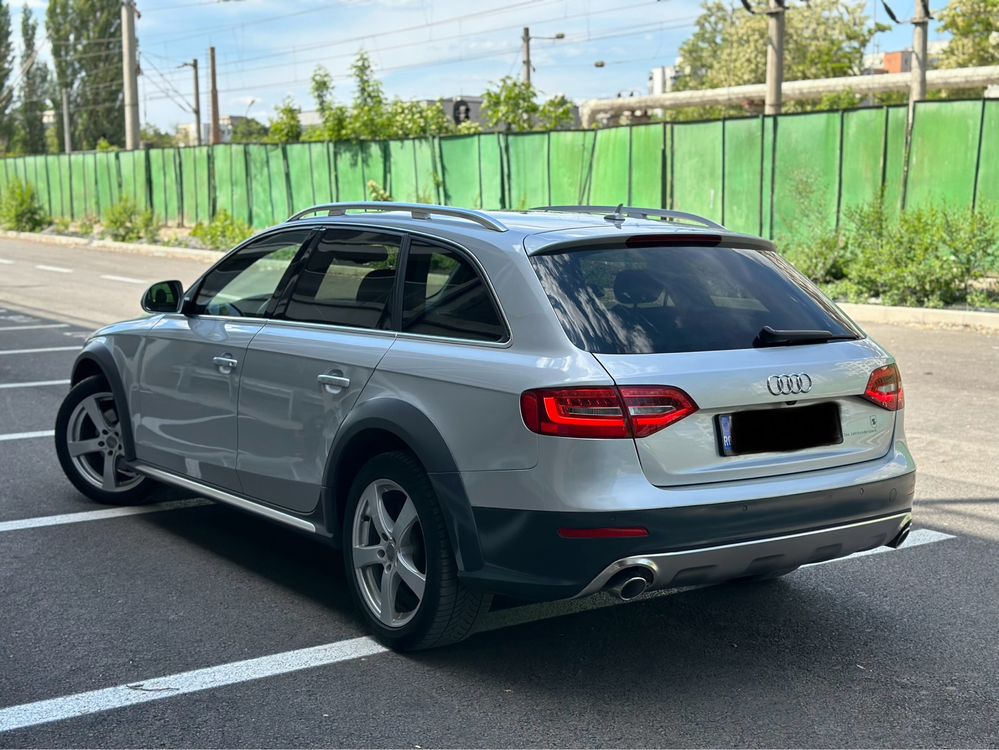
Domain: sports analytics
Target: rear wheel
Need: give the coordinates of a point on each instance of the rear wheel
(89, 445)
(400, 565)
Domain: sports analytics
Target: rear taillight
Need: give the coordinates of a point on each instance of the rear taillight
(606, 412)
(884, 388)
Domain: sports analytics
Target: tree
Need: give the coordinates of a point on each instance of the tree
(367, 115)
(6, 68)
(514, 105)
(249, 130)
(286, 127)
(824, 39)
(333, 116)
(372, 114)
(86, 52)
(974, 29)
(30, 136)
(152, 136)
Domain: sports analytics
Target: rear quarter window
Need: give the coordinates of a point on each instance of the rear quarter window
(679, 299)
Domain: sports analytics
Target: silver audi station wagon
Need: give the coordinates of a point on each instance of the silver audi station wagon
(541, 405)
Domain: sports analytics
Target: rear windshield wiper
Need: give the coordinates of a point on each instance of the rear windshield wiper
(771, 337)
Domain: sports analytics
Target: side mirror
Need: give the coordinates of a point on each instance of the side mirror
(163, 297)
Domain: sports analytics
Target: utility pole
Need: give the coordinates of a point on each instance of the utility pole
(917, 88)
(526, 38)
(197, 100)
(67, 137)
(216, 133)
(775, 56)
(130, 73)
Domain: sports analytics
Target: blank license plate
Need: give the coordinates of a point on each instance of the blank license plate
(770, 430)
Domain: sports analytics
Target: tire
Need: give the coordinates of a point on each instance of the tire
(90, 418)
(406, 539)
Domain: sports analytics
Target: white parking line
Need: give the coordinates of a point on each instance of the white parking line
(35, 384)
(26, 435)
(99, 515)
(40, 351)
(34, 327)
(5, 262)
(123, 279)
(197, 680)
(55, 269)
(157, 688)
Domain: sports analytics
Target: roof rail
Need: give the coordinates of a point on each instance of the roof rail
(618, 213)
(418, 211)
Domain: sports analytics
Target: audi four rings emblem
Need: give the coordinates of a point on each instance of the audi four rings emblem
(785, 385)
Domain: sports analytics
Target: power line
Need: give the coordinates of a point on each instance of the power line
(268, 19)
(402, 45)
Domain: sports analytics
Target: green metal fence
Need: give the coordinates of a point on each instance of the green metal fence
(778, 176)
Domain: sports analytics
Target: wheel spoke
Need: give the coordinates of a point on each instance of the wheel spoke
(366, 556)
(411, 576)
(108, 480)
(80, 447)
(380, 514)
(404, 523)
(370, 503)
(93, 409)
(390, 587)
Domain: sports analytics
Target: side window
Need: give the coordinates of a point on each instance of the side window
(348, 280)
(242, 285)
(446, 296)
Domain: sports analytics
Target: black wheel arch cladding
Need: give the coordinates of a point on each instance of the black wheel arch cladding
(411, 429)
(96, 359)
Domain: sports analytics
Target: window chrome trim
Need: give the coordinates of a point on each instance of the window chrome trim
(224, 497)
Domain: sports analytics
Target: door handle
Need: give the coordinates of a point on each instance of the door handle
(225, 363)
(333, 383)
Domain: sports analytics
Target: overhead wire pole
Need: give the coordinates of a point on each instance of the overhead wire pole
(775, 57)
(197, 100)
(216, 132)
(67, 136)
(526, 39)
(920, 22)
(130, 73)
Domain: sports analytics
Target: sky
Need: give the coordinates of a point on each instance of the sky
(266, 50)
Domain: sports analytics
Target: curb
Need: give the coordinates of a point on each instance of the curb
(133, 248)
(922, 316)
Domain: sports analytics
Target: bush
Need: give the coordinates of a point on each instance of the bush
(927, 256)
(20, 208)
(222, 233)
(124, 222)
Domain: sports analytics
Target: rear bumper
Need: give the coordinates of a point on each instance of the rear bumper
(714, 564)
(523, 555)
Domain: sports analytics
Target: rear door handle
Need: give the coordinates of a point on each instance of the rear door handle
(225, 363)
(333, 383)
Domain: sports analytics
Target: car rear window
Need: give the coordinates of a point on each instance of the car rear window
(648, 300)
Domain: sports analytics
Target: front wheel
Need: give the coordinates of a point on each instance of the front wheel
(399, 562)
(88, 440)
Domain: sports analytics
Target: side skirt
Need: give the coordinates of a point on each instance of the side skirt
(225, 497)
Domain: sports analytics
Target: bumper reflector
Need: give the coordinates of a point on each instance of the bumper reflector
(602, 533)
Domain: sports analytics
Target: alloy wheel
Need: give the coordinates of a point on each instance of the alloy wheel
(95, 444)
(389, 553)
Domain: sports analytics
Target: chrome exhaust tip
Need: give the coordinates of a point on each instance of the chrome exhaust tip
(899, 540)
(629, 584)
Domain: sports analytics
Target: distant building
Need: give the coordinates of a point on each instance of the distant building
(186, 133)
(900, 61)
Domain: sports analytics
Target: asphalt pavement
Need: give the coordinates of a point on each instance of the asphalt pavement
(192, 624)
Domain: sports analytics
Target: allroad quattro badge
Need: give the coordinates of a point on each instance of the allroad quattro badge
(786, 385)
